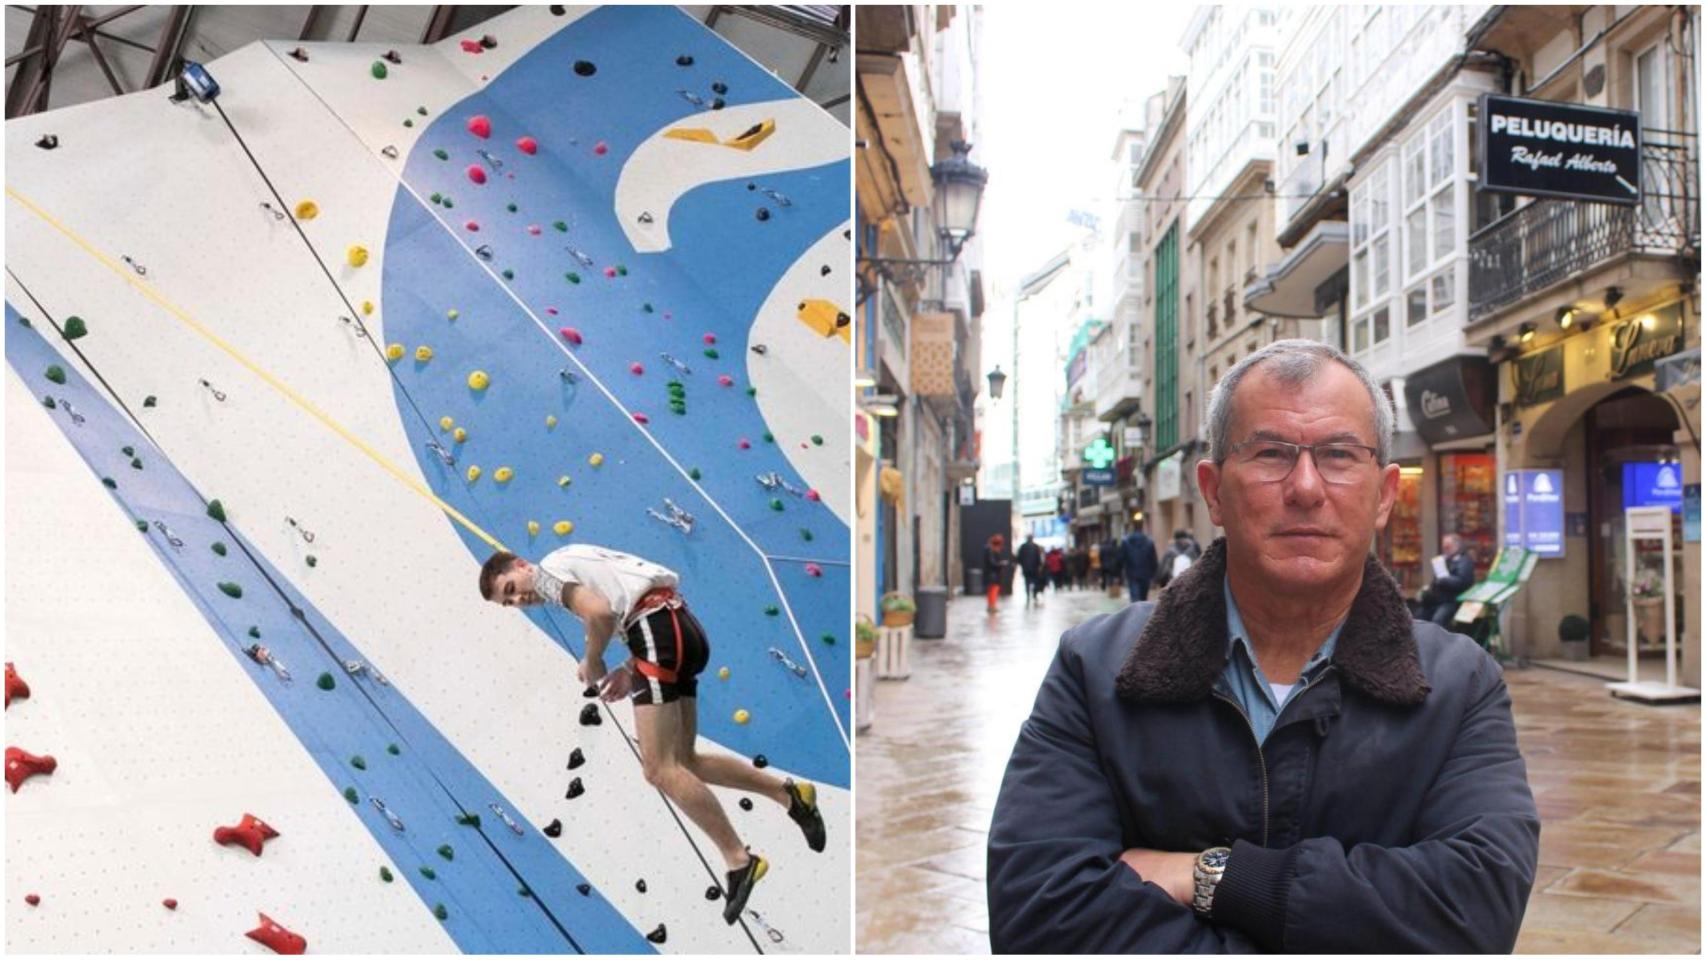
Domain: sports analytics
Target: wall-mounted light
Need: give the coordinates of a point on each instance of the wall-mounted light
(997, 382)
(1566, 317)
(1648, 321)
(1525, 332)
(864, 379)
(1613, 296)
(881, 405)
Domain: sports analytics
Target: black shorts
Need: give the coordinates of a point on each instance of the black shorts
(674, 641)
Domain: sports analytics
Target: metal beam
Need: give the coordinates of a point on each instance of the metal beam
(355, 29)
(818, 51)
(64, 21)
(167, 49)
(438, 25)
(88, 38)
(33, 57)
(311, 21)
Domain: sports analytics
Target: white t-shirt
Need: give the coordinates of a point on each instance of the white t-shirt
(1281, 691)
(621, 578)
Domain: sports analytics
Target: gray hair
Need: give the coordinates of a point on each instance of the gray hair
(1293, 363)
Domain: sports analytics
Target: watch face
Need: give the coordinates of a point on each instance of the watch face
(1216, 859)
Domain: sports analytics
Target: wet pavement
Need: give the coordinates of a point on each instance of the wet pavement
(1617, 784)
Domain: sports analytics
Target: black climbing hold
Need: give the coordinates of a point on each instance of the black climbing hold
(640, 885)
(717, 103)
(763, 213)
(216, 510)
(746, 803)
(439, 911)
(150, 401)
(575, 789)
(421, 110)
(385, 874)
(718, 86)
(219, 548)
(429, 873)
(446, 852)
(558, 10)
(524, 891)
(299, 54)
(828, 638)
(358, 762)
(135, 462)
(823, 271)
(585, 889)
(75, 327)
(109, 483)
(48, 403)
(684, 60)
(659, 935)
(48, 142)
(142, 525)
(255, 632)
(127, 451)
(394, 750)
(846, 234)
(326, 682)
(56, 373)
(713, 892)
(351, 795)
(590, 691)
(590, 717)
(509, 274)
(392, 57)
(512, 208)
(761, 761)
(469, 820)
(313, 561)
(553, 829)
(25, 321)
(488, 41)
(576, 758)
(585, 68)
(694, 473)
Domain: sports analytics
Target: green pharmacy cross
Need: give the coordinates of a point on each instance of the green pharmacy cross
(1099, 454)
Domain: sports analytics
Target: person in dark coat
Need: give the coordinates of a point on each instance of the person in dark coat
(1275, 756)
(1031, 565)
(995, 562)
(1079, 562)
(1183, 545)
(1137, 556)
(1112, 566)
(1439, 601)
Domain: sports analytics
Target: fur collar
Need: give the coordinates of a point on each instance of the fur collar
(1182, 648)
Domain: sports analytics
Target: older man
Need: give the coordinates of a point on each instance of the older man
(1274, 756)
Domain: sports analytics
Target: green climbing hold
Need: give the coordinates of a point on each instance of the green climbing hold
(712, 353)
(509, 274)
(437, 197)
(216, 510)
(776, 504)
(24, 320)
(109, 483)
(469, 819)
(313, 561)
(817, 439)
(128, 451)
(231, 589)
(448, 204)
(421, 111)
(647, 308)
(393, 750)
(524, 891)
(56, 373)
(752, 391)
(772, 611)
(150, 401)
(385, 874)
(379, 71)
(678, 410)
(439, 912)
(135, 462)
(561, 226)
(805, 534)
(429, 873)
(408, 123)
(769, 437)
(511, 208)
(358, 762)
(75, 327)
(621, 271)
(445, 852)
(48, 403)
(694, 473)
(142, 525)
(573, 277)
(828, 638)
(326, 682)
(255, 632)
(219, 548)
(351, 795)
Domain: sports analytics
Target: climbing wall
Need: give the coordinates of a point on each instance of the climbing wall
(576, 278)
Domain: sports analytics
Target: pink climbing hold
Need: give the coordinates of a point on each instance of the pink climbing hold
(472, 227)
(533, 228)
(668, 315)
(610, 273)
(744, 444)
(476, 173)
(636, 368)
(710, 338)
(472, 46)
(601, 148)
(813, 570)
(480, 126)
(527, 145)
(813, 495)
(642, 418)
(572, 335)
(551, 310)
(726, 380)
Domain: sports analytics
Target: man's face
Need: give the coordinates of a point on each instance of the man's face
(1300, 532)
(514, 587)
(1451, 544)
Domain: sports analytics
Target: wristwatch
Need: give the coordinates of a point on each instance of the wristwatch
(1210, 866)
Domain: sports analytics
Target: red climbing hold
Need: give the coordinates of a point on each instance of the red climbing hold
(813, 496)
(32, 899)
(472, 46)
(480, 126)
(551, 310)
(169, 903)
(642, 418)
(726, 380)
(476, 173)
(813, 570)
(21, 766)
(636, 368)
(527, 145)
(601, 148)
(472, 226)
(276, 938)
(572, 335)
(533, 228)
(252, 833)
(710, 338)
(610, 272)
(744, 444)
(15, 685)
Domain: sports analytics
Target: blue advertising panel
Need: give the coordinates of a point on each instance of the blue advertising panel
(1691, 513)
(1543, 512)
(1652, 485)
(1513, 508)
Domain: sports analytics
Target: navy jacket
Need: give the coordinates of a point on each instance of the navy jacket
(1137, 553)
(1389, 809)
(1460, 576)
(1030, 558)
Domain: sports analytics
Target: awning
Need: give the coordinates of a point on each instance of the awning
(1452, 399)
(1288, 290)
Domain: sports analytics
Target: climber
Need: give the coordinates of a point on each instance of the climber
(609, 590)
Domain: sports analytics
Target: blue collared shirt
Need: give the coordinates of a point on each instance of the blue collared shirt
(1243, 678)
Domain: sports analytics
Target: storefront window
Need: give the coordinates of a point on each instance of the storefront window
(1401, 543)
(1466, 504)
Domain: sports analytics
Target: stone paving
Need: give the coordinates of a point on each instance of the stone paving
(1617, 785)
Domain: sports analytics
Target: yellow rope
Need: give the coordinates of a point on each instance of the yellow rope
(148, 291)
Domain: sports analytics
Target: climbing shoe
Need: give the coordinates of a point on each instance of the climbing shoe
(740, 886)
(802, 809)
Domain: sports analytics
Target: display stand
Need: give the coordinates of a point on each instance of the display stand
(892, 646)
(1479, 607)
(864, 686)
(1651, 523)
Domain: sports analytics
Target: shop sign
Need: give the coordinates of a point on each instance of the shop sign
(1638, 343)
(1538, 377)
(1452, 400)
(1652, 485)
(1167, 478)
(1133, 437)
(1534, 511)
(1691, 513)
(1678, 370)
(1099, 454)
(1541, 148)
(968, 495)
(1099, 477)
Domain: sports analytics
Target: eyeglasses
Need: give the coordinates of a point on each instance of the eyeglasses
(1270, 461)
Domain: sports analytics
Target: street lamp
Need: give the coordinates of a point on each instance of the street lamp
(960, 184)
(997, 381)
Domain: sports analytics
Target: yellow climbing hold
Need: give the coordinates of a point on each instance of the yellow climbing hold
(445, 423)
(722, 673)
(423, 353)
(550, 421)
(394, 352)
(473, 474)
(533, 528)
(478, 380)
(563, 528)
(357, 255)
(595, 459)
(741, 717)
(460, 436)
(453, 313)
(307, 210)
(367, 307)
(503, 474)
(563, 480)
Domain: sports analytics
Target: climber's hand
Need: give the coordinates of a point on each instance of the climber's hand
(616, 685)
(591, 672)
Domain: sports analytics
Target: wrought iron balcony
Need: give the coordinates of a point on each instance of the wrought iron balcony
(1549, 241)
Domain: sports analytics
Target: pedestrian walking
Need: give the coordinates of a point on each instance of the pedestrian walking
(1030, 558)
(1137, 553)
(1181, 553)
(1056, 562)
(995, 563)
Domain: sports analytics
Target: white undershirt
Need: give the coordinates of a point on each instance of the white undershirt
(1281, 691)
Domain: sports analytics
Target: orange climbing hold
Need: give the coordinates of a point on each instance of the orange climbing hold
(22, 765)
(276, 938)
(252, 833)
(15, 685)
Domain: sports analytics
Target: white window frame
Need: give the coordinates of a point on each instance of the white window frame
(1439, 189)
(1369, 233)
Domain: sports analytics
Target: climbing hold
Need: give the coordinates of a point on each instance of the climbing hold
(595, 459)
(480, 126)
(585, 889)
(469, 820)
(575, 787)
(590, 717)
(711, 353)
(527, 145)
(442, 154)
(601, 148)
(621, 270)
(694, 473)
(564, 481)
(472, 46)
(709, 338)
(312, 560)
(394, 351)
(358, 762)
(776, 504)
(813, 495)
(571, 334)
(717, 104)
(572, 277)
(722, 673)
(476, 173)
(771, 610)
(231, 589)
(429, 873)
(135, 462)
(460, 435)
(367, 308)
(307, 210)
(817, 439)
(109, 483)
(251, 833)
(488, 41)
(752, 391)
(385, 874)
(763, 214)
(719, 87)
(326, 682)
(15, 685)
(563, 528)
(56, 373)
(379, 71)
(393, 750)
(554, 829)
(685, 60)
(550, 421)
(533, 528)
(215, 509)
(636, 368)
(760, 761)
(255, 632)
(640, 885)
(439, 911)
(609, 272)
(21, 765)
(478, 380)
(150, 401)
(446, 852)
(746, 803)
(744, 444)
(769, 437)
(75, 327)
(585, 68)
(169, 903)
(276, 938)
(509, 274)
(472, 226)
(356, 255)
(473, 473)
(813, 570)
(576, 758)
(445, 423)
(828, 638)
(142, 525)
(726, 380)
(741, 717)
(503, 475)
(642, 418)
(533, 228)
(32, 899)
